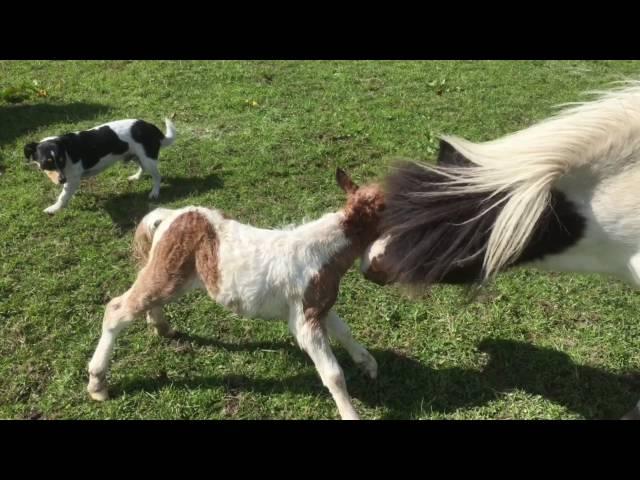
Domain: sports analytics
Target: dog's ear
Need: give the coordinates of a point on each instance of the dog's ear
(345, 182)
(30, 150)
(61, 161)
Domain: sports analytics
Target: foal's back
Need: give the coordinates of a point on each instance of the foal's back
(259, 271)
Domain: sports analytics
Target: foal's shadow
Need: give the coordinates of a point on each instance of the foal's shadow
(128, 209)
(408, 389)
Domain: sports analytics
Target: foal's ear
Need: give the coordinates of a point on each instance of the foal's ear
(345, 182)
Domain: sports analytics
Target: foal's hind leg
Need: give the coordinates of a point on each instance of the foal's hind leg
(119, 313)
(146, 294)
(157, 319)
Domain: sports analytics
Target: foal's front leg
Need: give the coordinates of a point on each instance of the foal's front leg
(340, 331)
(311, 337)
(633, 414)
(634, 267)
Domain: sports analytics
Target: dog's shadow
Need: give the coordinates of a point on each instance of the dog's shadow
(407, 389)
(126, 210)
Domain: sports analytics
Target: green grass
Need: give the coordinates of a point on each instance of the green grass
(261, 140)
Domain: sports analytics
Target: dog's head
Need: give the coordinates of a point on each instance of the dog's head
(49, 155)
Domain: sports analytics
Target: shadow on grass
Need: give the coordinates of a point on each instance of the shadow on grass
(127, 210)
(18, 120)
(407, 388)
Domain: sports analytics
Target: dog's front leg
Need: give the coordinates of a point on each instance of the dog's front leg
(67, 192)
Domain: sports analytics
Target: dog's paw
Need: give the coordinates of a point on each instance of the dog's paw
(154, 195)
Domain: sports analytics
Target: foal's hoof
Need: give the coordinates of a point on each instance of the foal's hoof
(100, 395)
(166, 333)
(633, 414)
(369, 366)
(97, 388)
(350, 416)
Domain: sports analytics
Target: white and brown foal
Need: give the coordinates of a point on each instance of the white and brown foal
(289, 274)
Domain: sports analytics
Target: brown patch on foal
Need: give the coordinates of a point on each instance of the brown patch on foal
(142, 240)
(362, 215)
(360, 225)
(322, 291)
(188, 247)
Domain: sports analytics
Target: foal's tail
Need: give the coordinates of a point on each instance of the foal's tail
(143, 238)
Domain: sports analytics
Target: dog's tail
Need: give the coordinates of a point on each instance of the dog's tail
(143, 238)
(170, 135)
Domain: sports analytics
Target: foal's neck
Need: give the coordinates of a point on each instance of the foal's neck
(331, 234)
(326, 229)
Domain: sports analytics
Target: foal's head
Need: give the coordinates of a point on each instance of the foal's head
(362, 212)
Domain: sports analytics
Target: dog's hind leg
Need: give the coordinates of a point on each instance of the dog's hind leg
(151, 166)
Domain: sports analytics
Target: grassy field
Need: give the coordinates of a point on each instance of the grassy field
(261, 140)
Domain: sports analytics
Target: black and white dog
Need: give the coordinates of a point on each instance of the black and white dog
(74, 156)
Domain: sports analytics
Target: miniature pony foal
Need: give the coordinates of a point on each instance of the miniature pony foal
(288, 274)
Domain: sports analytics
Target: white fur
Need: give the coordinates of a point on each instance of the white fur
(376, 249)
